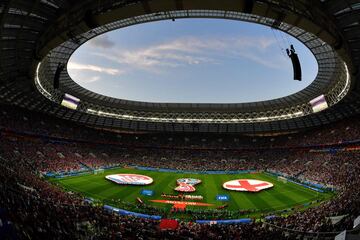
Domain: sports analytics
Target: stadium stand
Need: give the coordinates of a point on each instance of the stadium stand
(305, 142)
(26, 197)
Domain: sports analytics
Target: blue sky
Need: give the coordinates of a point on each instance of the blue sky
(191, 60)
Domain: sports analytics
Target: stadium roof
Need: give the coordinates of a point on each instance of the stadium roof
(37, 35)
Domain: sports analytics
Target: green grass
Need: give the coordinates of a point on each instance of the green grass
(281, 196)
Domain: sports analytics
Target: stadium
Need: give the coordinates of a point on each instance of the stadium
(179, 119)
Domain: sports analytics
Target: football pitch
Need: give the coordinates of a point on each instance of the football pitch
(281, 196)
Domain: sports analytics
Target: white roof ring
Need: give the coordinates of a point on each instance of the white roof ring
(333, 79)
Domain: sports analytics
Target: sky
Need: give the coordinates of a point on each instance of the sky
(192, 61)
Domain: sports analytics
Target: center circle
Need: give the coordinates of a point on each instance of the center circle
(192, 61)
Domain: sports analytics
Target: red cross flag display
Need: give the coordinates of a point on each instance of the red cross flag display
(247, 185)
(130, 179)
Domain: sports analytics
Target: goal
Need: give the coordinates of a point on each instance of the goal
(98, 171)
(282, 179)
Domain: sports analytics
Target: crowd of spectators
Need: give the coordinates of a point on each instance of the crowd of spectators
(17, 119)
(39, 210)
(31, 147)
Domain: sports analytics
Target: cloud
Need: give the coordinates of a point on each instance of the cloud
(174, 54)
(193, 51)
(94, 68)
(86, 78)
(277, 63)
(93, 79)
(102, 41)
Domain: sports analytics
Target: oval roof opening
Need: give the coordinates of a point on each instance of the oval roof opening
(192, 61)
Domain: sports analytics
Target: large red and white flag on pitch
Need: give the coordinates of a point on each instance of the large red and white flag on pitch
(247, 185)
(130, 179)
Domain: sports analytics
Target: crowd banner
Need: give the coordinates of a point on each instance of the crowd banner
(230, 221)
(341, 236)
(357, 222)
(128, 213)
(335, 219)
(270, 217)
(89, 200)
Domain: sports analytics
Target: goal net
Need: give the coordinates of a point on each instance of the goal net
(282, 179)
(98, 171)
